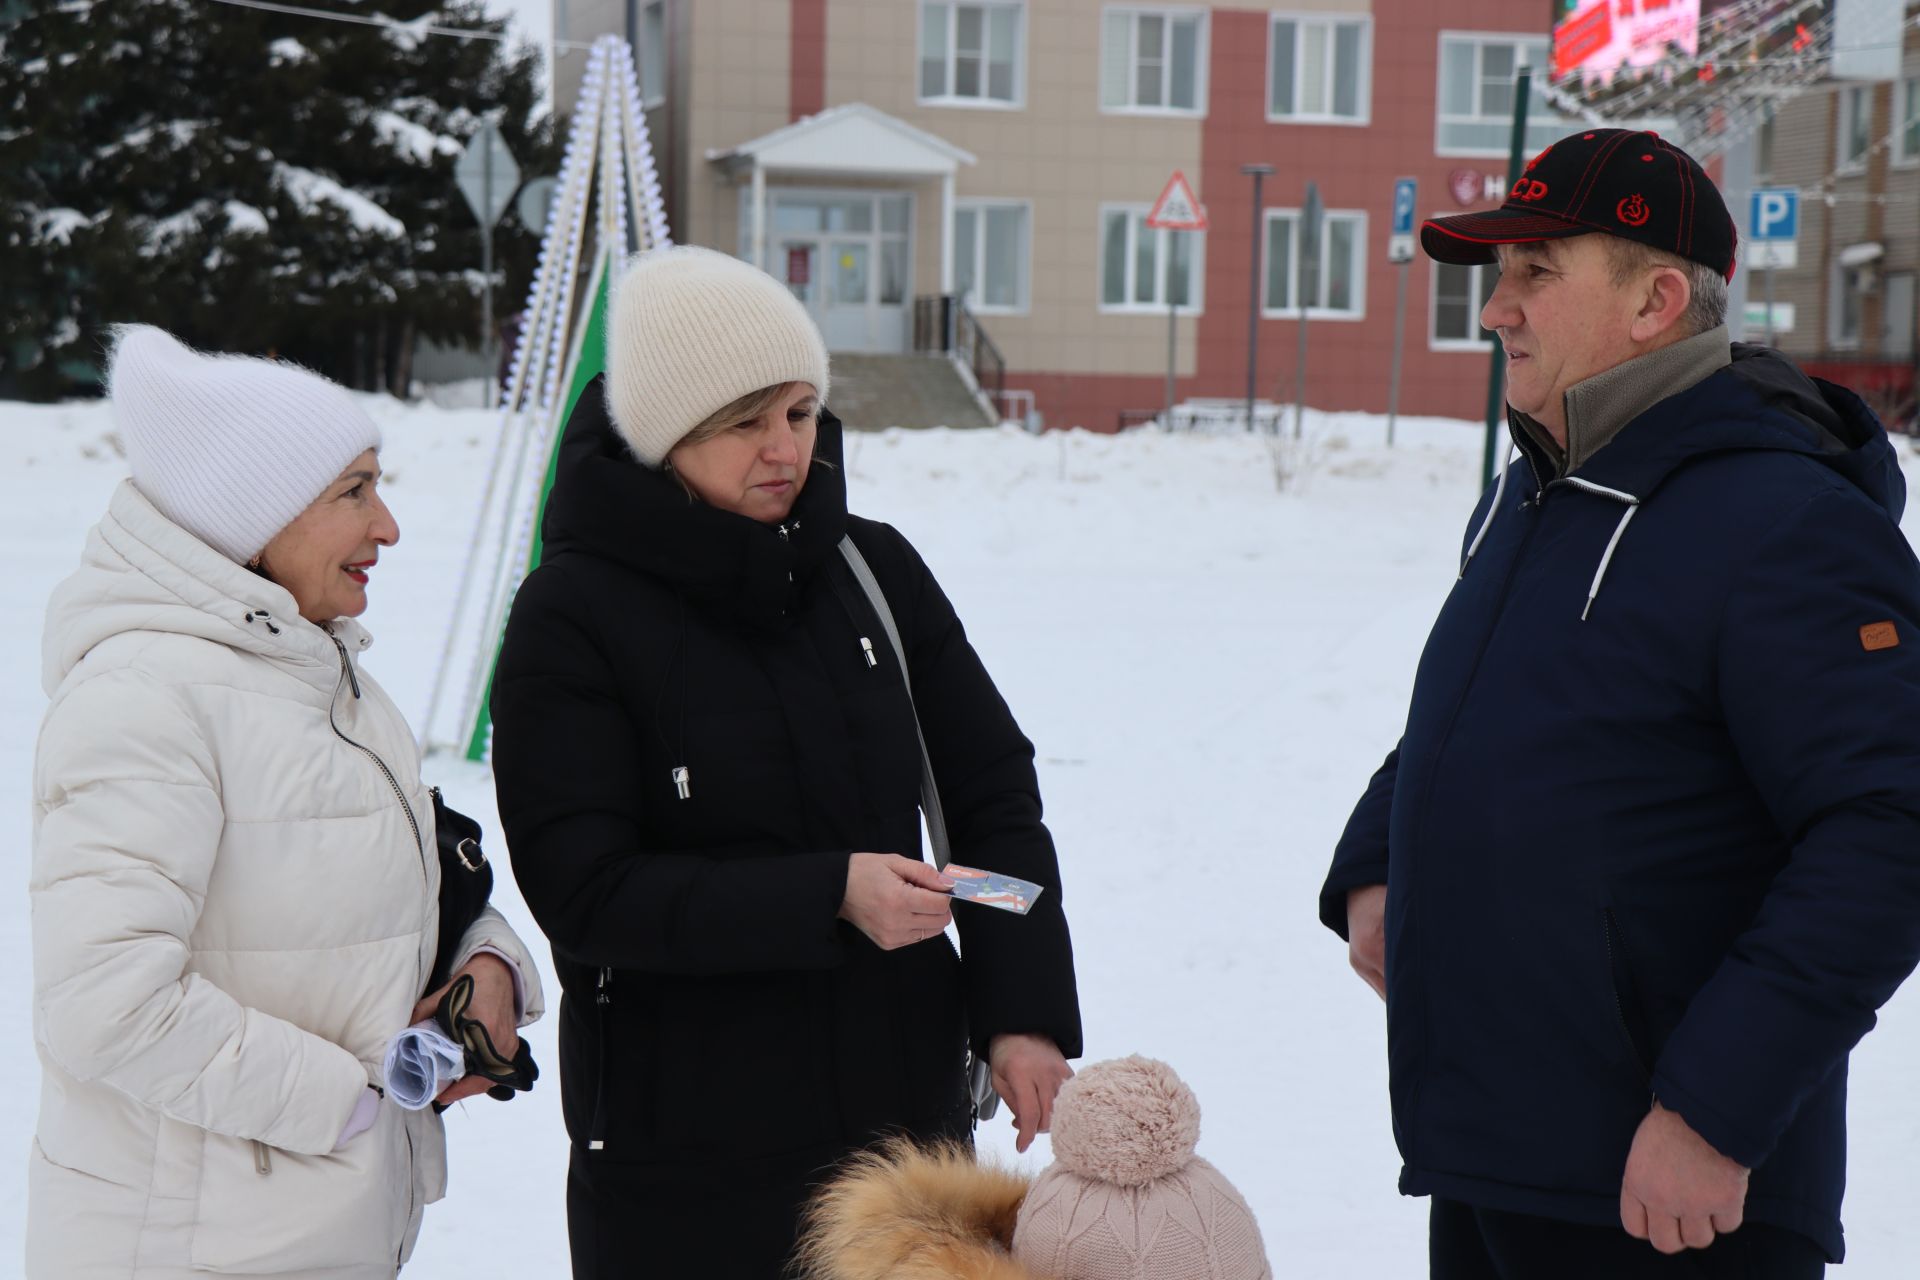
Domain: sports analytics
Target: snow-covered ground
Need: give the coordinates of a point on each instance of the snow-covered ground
(1210, 669)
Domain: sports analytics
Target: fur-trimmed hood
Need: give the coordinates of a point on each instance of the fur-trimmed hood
(905, 1212)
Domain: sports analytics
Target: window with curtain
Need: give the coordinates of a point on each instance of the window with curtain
(1153, 60)
(1477, 75)
(1332, 278)
(1319, 70)
(990, 239)
(971, 53)
(1143, 269)
(1459, 293)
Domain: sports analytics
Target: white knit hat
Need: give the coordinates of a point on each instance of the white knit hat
(230, 448)
(690, 331)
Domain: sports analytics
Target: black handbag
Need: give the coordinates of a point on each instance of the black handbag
(466, 880)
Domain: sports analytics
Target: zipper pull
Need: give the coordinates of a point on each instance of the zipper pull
(783, 534)
(683, 782)
(866, 647)
(262, 1162)
(263, 616)
(600, 995)
(346, 664)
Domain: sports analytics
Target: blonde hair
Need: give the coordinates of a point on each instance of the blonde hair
(730, 415)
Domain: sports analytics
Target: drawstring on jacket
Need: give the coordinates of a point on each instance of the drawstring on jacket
(1606, 559)
(1598, 490)
(1493, 509)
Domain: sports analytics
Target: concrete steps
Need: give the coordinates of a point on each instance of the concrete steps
(872, 392)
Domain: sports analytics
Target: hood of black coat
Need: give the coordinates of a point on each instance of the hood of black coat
(1761, 401)
(605, 503)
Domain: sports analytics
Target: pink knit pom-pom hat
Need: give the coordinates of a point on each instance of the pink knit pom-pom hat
(1126, 1197)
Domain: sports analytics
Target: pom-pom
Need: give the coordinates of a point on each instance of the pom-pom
(1130, 1122)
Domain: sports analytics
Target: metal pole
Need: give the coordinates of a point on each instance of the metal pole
(1399, 341)
(1497, 372)
(1259, 173)
(1300, 356)
(486, 273)
(1770, 335)
(1173, 309)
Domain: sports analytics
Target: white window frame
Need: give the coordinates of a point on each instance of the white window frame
(1302, 20)
(652, 95)
(1196, 303)
(1839, 277)
(1202, 46)
(1906, 115)
(1292, 310)
(1541, 121)
(1434, 341)
(1848, 96)
(979, 205)
(979, 103)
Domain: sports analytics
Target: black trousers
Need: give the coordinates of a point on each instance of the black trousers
(721, 1221)
(1467, 1243)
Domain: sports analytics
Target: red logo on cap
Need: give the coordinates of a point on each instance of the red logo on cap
(1542, 156)
(1528, 189)
(1634, 211)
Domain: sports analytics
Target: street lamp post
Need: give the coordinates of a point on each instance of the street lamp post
(1258, 172)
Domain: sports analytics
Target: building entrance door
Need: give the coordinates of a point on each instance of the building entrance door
(848, 256)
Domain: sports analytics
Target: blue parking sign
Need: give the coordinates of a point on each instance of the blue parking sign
(1403, 201)
(1773, 213)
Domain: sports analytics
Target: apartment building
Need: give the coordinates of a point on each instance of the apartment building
(875, 152)
(1852, 150)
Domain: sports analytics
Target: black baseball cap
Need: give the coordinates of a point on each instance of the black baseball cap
(1625, 183)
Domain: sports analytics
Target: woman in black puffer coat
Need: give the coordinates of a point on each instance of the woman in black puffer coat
(709, 778)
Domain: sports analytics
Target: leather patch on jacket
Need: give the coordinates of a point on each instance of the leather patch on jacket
(1879, 635)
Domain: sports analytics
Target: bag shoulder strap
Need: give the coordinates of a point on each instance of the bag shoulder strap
(929, 792)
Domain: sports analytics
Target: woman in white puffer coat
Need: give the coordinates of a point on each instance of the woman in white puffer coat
(235, 883)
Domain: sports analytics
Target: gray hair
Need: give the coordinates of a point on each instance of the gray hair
(1707, 288)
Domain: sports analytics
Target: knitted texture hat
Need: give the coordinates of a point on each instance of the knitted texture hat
(230, 448)
(1126, 1197)
(690, 331)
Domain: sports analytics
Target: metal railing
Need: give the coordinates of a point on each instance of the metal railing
(943, 325)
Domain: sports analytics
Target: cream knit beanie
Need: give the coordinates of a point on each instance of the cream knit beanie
(230, 448)
(690, 331)
(1126, 1197)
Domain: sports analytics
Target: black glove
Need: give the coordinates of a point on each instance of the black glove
(509, 1075)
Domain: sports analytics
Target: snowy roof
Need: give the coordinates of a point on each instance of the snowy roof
(851, 138)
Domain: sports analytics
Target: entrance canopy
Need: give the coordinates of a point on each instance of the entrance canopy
(849, 141)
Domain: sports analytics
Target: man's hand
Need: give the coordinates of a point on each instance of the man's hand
(1367, 935)
(1679, 1192)
(895, 901)
(1027, 1074)
(493, 1001)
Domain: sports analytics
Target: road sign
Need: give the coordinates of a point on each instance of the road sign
(1773, 213)
(535, 201)
(1773, 227)
(1177, 209)
(1400, 243)
(1403, 201)
(487, 175)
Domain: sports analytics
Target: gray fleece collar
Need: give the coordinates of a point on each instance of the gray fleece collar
(1598, 408)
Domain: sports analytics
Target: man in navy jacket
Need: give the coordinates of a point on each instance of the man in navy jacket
(1647, 858)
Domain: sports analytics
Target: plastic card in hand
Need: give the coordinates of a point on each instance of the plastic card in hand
(991, 889)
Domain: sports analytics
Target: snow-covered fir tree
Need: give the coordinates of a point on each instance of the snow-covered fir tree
(253, 181)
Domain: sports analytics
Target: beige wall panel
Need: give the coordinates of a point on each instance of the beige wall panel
(1059, 151)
